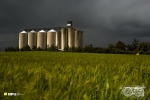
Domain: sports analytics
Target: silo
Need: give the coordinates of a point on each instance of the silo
(51, 38)
(32, 39)
(58, 39)
(70, 37)
(81, 39)
(73, 37)
(23, 39)
(41, 39)
(63, 38)
(76, 41)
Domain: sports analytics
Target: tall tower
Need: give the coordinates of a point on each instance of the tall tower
(76, 41)
(41, 39)
(63, 38)
(23, 39)
(32, 39)
(51, 38)
(70, 32)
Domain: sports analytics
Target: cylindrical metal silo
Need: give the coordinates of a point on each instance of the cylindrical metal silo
(81, 39)
(41, 39)
(32, 39)
(63, 38)
(76, 41)
(51, 38)
(73, 37)
(70, 37)
(23, 39)
(58, 39)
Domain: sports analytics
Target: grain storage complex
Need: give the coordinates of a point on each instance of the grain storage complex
(46, 37)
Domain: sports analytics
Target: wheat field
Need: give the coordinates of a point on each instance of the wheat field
(42, 75)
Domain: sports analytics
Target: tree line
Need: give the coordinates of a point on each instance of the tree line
(117, 48)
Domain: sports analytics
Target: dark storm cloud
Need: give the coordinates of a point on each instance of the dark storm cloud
(103, 21)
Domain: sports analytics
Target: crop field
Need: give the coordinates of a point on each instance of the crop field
(43, 75)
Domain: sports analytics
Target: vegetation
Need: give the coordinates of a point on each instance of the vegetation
(71, 76)
(118, 48)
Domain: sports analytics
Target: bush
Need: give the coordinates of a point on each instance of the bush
(147, 52)
(141, 52)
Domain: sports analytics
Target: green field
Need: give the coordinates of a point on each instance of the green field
(71, 76)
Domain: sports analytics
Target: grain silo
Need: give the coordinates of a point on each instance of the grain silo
(58, 39)
(76, 41)
(81, 39)
(59, 36)
(73, 37)
(63, 38)
(41, 39)
(51, 38)
(23, 39)
(70, 37)
(32, 39)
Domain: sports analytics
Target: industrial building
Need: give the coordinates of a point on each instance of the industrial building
(58, 36)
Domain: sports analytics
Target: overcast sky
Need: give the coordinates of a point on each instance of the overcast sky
(103, 21)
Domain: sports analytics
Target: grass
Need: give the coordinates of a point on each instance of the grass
(71, 76)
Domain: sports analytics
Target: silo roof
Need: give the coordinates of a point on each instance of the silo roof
(52, 30)
(42, 31)
(23, 32)
(32, 31)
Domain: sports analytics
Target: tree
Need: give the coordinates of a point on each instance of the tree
(17, 48)
(143, 46)
(34, 48)
(90, 48)
(39, 49)
(120, 45)
(111, 46)
(79, 49)
(105, 50)
(130, 47)
(148, 45)
(8, 49)
(52, 48)
(85, 49)
(135, 43)
(26, 48)
(66, 48)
